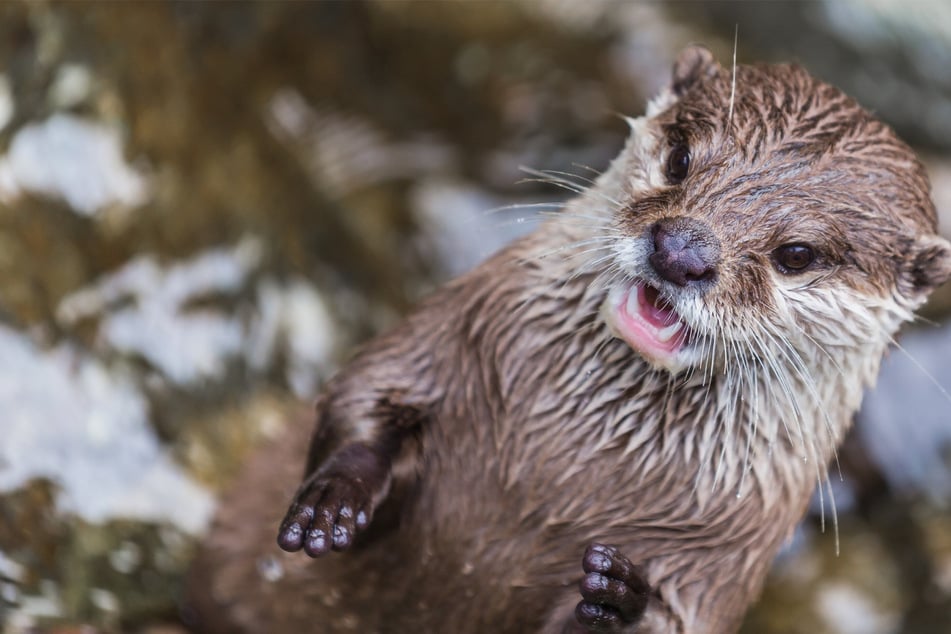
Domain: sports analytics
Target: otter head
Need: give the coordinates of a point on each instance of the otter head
(766, 219)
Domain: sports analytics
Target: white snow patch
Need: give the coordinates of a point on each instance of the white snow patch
(71, 86)
(465, 224)
(185, 345)
(74, 159)
(29, 609)
(296, 317)
(848, 611)
(142, 311)
(67, 418)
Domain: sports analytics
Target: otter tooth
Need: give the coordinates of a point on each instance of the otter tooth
(666, 334)
(633, 302)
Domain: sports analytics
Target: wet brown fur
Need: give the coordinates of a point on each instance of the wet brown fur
(521, 430)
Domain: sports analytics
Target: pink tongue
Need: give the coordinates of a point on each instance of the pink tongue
(654, 309)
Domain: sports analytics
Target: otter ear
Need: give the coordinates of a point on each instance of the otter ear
(929, 265)
(694, 64)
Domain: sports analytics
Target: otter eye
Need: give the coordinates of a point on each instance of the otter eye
(793, 258)
(678, 163)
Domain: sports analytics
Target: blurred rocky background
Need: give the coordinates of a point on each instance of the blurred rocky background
(205, 205)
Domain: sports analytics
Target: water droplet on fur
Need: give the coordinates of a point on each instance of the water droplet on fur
(270, 569)
(348, 621)
(332, 597)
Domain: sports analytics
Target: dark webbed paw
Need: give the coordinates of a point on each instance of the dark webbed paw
(335, 503)
(326, 516)
(614, 591)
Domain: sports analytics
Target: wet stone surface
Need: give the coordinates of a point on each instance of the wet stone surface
(205, 206)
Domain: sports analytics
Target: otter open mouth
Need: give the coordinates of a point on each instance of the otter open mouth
(647, 322)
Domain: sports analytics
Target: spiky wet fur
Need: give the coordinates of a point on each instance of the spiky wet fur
(530, 431)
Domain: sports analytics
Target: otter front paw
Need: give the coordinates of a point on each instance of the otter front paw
(614, 591)
(326, 515)
(336, 501)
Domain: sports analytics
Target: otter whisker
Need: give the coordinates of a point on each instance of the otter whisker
(593, 264)
(571, 249)
(568, 175)
(558, 286)
(729, 415)
(542, 206)
(608, 277)
(931, 378)
(819, 347)
(797, 365)
(597, 173)
(736, 39)
(574, 218)
(809, 383)
(553, 179)
(828, 420)
(541, 211)
(566, 185)
(569, 253)
(716, 422)
(562, 286)
(752, 419)
(835, 512)
(604, 342)
(781, 378)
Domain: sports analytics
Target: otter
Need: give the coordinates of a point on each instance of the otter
(613, 424)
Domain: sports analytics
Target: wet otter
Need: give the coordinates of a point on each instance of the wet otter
(666, 368)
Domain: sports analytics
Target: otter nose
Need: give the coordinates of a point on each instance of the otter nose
(685, 251)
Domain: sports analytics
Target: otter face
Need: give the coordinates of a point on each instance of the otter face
(774, 218)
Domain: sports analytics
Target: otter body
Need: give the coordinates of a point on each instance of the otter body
(614, 423)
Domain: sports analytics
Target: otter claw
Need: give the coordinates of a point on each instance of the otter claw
(291, 534)
(614, 591)
(326, 516)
